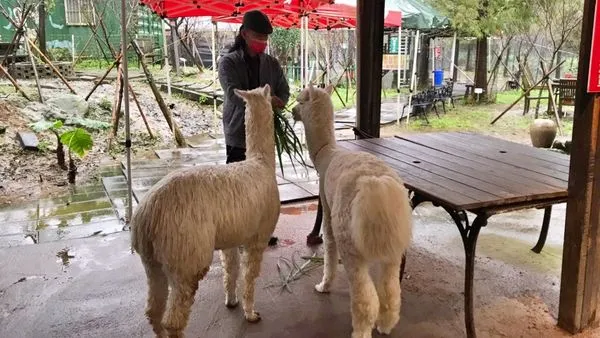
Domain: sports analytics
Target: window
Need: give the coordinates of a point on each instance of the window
(79, 12)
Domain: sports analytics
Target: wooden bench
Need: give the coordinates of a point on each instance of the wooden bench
(566, 93)
(482, 175)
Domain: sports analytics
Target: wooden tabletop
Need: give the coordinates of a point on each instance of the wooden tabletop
(470, 171)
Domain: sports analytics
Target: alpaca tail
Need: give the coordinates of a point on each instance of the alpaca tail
(381, 223)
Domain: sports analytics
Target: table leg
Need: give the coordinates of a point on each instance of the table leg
(314, 238)
(544, 232)
(469, 235)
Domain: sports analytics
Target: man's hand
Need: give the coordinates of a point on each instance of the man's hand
(277, 103)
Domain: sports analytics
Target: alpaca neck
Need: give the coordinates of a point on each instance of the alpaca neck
(320, 140)
(260, 142)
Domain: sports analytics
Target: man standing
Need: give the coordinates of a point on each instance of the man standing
(247, 67)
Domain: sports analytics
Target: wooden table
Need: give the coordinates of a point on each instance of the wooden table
(485, 176)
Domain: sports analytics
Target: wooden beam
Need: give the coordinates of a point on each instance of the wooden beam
(580, 280)
(370, 17)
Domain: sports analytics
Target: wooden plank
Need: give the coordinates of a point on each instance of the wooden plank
(546, 155)
(482, 162)
(471, 152)
(482, 190)
(520, 154)
(580, 278)
(424, 183)
(508, 155)
(509, 182)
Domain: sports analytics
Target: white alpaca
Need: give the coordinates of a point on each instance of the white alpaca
(366, 216)
(194, 211)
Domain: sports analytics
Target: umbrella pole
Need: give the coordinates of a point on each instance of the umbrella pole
(125, 74)
(413, 76)
(398, 77)
(214, 72)
(302, 52)
(166, 57)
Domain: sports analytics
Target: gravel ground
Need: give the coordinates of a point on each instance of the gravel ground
(28, 175)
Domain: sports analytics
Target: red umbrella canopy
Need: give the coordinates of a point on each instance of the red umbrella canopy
(330, 16)
(229, 8)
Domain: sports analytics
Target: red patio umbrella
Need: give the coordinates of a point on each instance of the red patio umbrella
(172, 9)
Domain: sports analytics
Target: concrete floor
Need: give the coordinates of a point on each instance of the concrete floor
(98, 288)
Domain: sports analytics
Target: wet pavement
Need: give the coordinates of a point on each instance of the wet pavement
(95, 287)
(86, 211)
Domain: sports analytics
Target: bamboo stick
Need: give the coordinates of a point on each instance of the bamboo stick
(51, 65)
(115, 63)
(161, 103)
(140, 109)
(14, 82)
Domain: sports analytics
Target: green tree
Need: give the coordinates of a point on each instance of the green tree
(283, 42)
(483, 19)
(79, 141)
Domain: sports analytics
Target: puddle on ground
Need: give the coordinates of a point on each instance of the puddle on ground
(64, 256)
(518, 253)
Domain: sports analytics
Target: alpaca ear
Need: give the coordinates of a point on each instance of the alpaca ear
(240, 93)
(311, 90)
(267, 90)
(329, 89)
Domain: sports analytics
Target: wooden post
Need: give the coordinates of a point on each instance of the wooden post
(35, 72)
(42, 27)
(370, 18)
(580, 281)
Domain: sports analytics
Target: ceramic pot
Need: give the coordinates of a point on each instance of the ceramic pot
(542, 133)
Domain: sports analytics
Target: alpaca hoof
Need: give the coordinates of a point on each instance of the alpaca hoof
(384, 331)
(322, 288)
(253, 318)
(314, 240)
(232, 304)
(361, 334)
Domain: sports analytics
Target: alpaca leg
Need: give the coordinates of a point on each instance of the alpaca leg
(331, 256)
(181, 299)
(365, 303)
(388, 290)
(158, 292)
(252, 259)
(230, 259)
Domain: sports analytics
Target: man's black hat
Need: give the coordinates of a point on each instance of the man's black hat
(257, 21)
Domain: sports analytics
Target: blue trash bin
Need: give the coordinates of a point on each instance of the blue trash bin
(438, 77)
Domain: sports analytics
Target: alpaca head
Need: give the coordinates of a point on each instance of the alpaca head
(259, 112)
(314, 106)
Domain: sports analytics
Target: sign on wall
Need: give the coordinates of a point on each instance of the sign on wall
(593, 85)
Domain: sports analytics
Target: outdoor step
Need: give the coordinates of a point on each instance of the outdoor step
(16, 240)
(19, 227)
(58, 210)
(76, 219)
(82, 231)
(292, 193)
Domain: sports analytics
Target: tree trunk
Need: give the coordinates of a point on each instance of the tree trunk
(481, 67)
(506, 60)
(469, 66)
(456, 56)
(558, 60)
(60, 152)
(42, 27)
(423, 66)
(72, 170)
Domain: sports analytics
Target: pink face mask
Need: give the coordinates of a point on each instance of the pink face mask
(257, 46)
